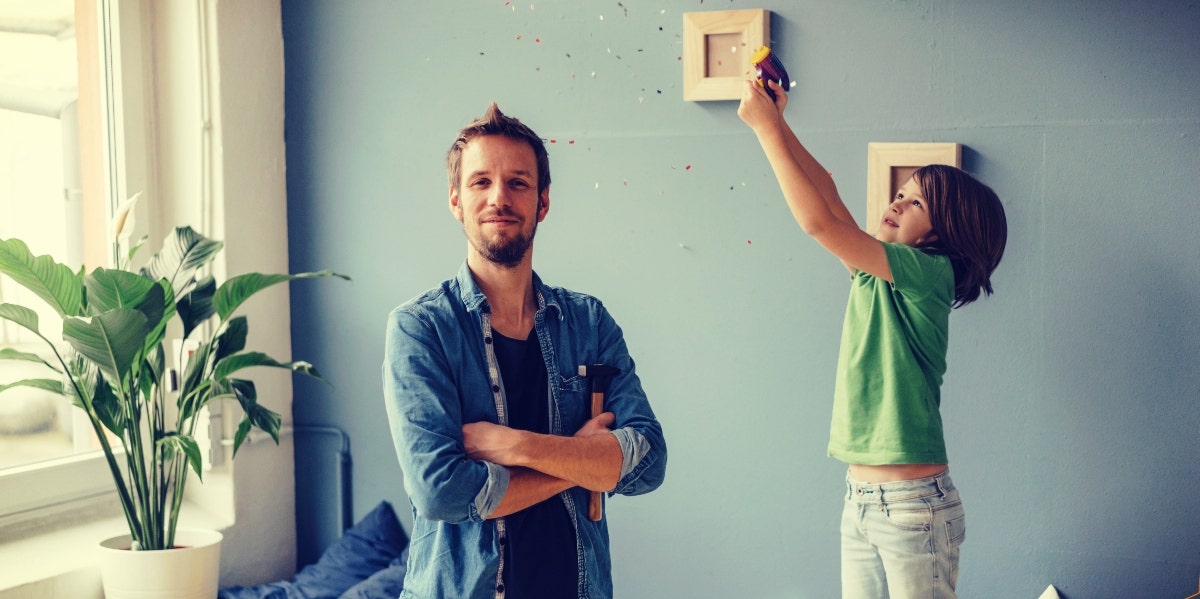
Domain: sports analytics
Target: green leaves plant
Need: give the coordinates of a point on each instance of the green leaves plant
(114, 365)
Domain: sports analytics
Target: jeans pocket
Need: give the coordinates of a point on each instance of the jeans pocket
(910, 515)
(956, 530)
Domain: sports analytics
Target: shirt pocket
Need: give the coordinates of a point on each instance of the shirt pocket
(573, 402)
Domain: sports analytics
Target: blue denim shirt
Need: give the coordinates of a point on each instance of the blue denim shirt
(440, 372)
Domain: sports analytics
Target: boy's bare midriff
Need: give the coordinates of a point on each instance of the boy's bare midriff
(890, 473)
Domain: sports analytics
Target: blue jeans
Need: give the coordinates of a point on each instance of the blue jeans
(900, 539)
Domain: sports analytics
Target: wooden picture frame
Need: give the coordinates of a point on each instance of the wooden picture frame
(716, 51)
(890, 165)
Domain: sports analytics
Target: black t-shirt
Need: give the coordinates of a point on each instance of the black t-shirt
(540, 559)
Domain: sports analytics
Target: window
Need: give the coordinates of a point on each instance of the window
(63, 158)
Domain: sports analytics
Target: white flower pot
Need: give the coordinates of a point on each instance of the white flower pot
(191, 571)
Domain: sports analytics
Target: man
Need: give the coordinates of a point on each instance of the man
(490, 418)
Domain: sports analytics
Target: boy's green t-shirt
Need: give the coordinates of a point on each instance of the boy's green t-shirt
(891, 362)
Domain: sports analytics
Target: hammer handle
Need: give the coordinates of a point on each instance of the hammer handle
(595, 503)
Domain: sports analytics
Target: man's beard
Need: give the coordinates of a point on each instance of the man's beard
(506, 252)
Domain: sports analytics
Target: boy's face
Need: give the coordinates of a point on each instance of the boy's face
(906, 219)
(497, 200)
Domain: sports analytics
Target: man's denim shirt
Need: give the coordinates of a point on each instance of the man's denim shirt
(440, 372)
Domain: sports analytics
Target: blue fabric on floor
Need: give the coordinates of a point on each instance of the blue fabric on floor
(373, 547)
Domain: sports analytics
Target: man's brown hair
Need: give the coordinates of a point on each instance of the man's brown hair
(494, 122)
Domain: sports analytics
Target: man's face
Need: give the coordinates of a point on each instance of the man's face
(496, 199)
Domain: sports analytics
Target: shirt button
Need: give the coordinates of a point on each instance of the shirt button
(487, 339)
(495, 388)
(500, 589)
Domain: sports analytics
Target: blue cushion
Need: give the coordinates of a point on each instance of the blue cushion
(384, 584)
(374, 544)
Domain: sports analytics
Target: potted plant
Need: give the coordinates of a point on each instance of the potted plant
(113, 364)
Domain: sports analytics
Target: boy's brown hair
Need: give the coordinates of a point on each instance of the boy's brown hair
(970, 225)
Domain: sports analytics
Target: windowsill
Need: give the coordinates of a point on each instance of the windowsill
(63, 562)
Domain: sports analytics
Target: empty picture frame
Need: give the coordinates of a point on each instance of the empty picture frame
(890, 165)
(716, 51)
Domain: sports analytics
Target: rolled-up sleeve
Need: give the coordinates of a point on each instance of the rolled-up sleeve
(643, 447)
(425, 415)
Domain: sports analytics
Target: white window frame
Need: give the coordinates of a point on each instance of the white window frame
(68, 489)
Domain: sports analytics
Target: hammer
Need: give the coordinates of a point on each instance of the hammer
(598, 375)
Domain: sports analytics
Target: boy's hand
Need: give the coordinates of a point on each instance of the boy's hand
(781, 95)
(756, 109)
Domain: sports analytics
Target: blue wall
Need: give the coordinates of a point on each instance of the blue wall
(1071, 397)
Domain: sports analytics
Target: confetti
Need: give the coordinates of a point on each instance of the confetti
(537, 40)
(687, 168)
(748, 242)
(597, 185)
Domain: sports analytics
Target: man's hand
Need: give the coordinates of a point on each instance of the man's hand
(491, 442)
(597, 426)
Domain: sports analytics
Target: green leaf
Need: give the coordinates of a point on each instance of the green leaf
(174, 443)
(51, 385)
(266, 420)
(232, 338)
(21, 315)
(184, 252)
(256, 416)
(196, 365)
(108, 406)
(236, 362)
(112, 340)
(242, 431)
(233, 292)
(196, 306)
(158, 307)
(9, 353)
(47, 279)
(109, 289)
